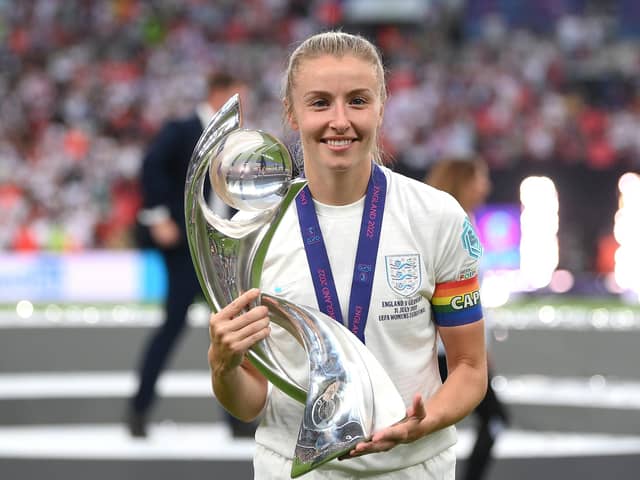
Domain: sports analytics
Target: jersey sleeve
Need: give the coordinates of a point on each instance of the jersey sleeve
(456, 298)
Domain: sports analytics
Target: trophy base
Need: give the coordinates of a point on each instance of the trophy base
(307, 457)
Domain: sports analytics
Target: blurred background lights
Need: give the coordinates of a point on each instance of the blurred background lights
(597, 382)
(53, 313)
(547, 314)
(121, 313)
(612, 285)
(91, 315)
(495, 290)
(498, 226)
(24, 309)
(500, 335)
(600, 318)
(629, 185)
(561, 281)
(624, 319)
(198, 314)
(539, 230)
(499, 383)
(626, 231)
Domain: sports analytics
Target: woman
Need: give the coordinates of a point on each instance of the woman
(467, 180)
(334, 98)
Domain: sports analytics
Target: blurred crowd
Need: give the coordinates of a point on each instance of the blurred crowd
(85, 84)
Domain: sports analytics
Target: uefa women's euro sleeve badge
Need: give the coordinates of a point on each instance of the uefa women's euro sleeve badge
(349, 395)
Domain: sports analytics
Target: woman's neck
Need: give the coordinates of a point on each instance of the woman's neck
(338, 188)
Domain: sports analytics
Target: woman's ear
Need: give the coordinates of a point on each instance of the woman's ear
(291, 118)
(293, 123)
(381, 117)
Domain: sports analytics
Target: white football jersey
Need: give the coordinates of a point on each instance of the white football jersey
(426, 271)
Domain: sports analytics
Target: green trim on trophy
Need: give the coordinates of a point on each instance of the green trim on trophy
(256, 272)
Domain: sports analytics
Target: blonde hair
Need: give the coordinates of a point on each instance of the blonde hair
(337, 44)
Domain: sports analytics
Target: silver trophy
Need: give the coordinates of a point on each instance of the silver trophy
(349, 395)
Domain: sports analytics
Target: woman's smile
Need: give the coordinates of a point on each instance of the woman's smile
(338, 144)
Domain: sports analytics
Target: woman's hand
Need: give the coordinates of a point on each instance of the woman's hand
(233, 330)
(237, 384)
(408, 430)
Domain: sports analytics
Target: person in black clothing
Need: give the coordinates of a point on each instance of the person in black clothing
(163, 177)
(467, 180)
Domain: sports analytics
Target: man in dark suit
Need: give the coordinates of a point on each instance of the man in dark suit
(163, 177)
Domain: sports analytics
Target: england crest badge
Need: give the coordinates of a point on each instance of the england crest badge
(404, 274)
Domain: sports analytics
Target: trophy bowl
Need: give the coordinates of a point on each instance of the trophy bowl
(252, 171)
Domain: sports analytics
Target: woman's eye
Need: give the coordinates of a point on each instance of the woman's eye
(358, 101)
(319, 103)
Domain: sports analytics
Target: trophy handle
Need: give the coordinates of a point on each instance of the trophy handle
(223, 251)
(338, 409)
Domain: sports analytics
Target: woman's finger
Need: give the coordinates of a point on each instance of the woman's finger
(240, 303)
(242, 339)
(417, 409)
(232, 318)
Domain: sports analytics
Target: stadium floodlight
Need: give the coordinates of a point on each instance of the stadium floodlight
(627, 233)
(539, 231)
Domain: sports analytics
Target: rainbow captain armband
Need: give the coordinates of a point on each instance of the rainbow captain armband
(457, 303)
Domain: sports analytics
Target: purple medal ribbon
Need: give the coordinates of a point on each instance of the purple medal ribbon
(365, 265)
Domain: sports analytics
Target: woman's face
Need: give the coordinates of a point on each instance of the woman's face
(337, 109)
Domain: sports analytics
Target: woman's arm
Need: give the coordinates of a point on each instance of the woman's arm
(467, 366)
(237, 384)
(463, 390)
